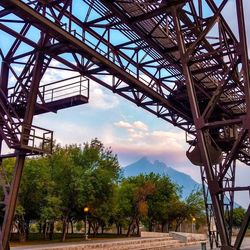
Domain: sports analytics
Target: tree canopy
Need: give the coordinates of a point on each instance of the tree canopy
(55, 189)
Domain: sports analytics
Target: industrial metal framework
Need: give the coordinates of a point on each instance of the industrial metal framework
(178, 59)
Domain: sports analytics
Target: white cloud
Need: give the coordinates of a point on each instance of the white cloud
(138, 140)
(140, 125)
(122, 124)
(132, 127)
(101, 98)
(65, 132)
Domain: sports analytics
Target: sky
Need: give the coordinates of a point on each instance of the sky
(130, 131)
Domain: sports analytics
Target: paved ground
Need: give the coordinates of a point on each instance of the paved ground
(245, 245)
(67, 244)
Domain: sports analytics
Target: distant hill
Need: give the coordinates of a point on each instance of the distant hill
(144, 166)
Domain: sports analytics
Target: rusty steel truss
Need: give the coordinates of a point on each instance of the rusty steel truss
(178, 59)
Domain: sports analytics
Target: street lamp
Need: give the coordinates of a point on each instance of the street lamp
(86, 210)
(193, 224)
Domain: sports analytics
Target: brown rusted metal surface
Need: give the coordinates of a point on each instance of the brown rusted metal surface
(179, 60)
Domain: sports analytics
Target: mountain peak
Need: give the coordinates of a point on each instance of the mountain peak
(144, 159)
(160, 164)
(145, 166)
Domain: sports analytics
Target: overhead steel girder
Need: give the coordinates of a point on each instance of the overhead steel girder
(206, 75)
(73, 43)
(54, 31)
(226, 75)
(201, 135)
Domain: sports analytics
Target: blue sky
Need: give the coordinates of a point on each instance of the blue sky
(129, 130)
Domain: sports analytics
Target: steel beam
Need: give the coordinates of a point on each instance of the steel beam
(55, 31)
(203, 89)
(20, 158)
(202, 136)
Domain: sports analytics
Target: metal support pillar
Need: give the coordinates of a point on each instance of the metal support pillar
(20, 159)
(243, 51)
(10, 208)
(202, 137)
(3, 87)
(197, 85)
(212, 231)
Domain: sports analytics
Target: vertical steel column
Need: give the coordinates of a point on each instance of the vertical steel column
(4, 77)
(212, 232)
(17, 173)
(243, 51)
(213, 185)
(4, 88)
(11, 204)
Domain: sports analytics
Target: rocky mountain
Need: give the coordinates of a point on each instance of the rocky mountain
(144, 166)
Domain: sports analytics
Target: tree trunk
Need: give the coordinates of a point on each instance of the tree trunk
(65, 228)
(138, 227)
(21, 229)
(22, 237)
(27, 228)
(40, 228)
(89, 228)
(51, 229)
(95, 227)
(117, 229)
(72, 227)
(167, 226)
(131, 227)
(178, 223)
(44, 230)
(162, 226)
(150, 226)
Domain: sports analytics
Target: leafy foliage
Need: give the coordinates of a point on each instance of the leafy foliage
(55, 189)
(238, 216)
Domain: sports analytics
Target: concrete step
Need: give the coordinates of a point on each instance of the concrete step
(159, 243)
(137, 244)
(155, 245)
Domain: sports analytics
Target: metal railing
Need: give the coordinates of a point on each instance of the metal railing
(65, 88)
(34, 138)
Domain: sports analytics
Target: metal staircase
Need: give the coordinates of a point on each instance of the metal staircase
(10, 127)
(18, 135)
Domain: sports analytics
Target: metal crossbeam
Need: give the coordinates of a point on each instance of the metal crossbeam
(176, 59)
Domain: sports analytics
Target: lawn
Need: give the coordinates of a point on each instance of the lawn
(36, 238)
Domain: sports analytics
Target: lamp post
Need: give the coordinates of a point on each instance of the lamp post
(193, 224)
(86, 210)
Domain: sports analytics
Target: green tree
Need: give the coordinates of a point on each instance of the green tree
(192, 207)
(238, 216)
(101, 174)
(159, 204)
(58, 186)
(132, 199)
(33, 192)
(85, 176)
(68, 179)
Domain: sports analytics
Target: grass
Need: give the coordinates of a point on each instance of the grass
(36, 238)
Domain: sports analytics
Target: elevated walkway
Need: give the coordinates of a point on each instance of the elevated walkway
(53, 96)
